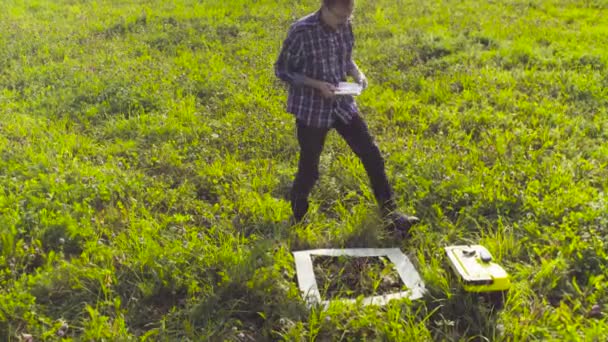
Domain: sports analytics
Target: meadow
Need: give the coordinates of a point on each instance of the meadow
(145, 159)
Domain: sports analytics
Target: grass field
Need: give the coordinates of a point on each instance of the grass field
(146, 156)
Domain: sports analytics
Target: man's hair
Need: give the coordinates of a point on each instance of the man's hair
(333, 3)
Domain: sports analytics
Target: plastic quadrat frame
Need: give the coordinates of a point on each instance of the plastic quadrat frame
(406, 270)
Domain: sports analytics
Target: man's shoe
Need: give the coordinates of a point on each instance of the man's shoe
(396, 221)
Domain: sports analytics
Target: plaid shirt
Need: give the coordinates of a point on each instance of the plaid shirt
(315, 50)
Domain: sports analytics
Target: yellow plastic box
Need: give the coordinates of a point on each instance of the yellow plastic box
(475, 267)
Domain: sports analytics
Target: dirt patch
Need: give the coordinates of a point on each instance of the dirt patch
(350, 277)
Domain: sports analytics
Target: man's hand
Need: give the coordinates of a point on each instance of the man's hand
(326, 89)
(361, 79)
(358, 75)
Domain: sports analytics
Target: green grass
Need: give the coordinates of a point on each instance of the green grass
(351, 277)
(146, 156)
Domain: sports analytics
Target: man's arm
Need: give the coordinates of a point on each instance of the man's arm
(353, 69)
(290, 62)
(357, 74)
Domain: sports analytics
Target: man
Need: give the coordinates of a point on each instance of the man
(315, 57)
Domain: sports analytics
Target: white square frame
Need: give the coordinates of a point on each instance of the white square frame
(406, 270)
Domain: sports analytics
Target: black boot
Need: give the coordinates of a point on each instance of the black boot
(396, 221)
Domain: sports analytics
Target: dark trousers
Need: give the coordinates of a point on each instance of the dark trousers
(357, 136)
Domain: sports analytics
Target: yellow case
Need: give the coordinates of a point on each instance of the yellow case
(475, 267)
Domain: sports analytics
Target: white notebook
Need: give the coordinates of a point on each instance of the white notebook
(348, 88)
